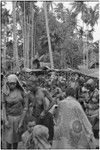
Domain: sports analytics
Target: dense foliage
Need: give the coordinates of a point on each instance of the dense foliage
(65, 33)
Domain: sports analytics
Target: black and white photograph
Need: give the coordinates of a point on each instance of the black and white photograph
(49, 74)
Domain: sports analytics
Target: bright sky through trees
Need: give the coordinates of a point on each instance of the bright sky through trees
(67, 4)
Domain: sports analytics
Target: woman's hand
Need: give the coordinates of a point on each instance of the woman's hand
(19, 127)
(7, 123)
(42, 114)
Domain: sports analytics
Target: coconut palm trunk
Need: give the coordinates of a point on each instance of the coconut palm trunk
(22, 25)
(5, 48)
(27, 50)
(87, 60)
(48, 35)
(0, 28)
(15, 37)
(24, 36)
(61, 61)
(83, 48)
(32, 37)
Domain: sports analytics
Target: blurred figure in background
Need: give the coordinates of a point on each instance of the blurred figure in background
(92, 106)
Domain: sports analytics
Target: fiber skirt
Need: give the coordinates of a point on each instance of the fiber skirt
(10, 133)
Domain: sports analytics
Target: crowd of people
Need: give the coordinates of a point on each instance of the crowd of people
(50, 111)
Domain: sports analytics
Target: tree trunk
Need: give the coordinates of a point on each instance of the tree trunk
(87, 60)
(15, 36)
(61, 59)
(34, 51)
(32, 37)
(5, 48)
(24, 36)
(22, 24)
(28, 31)
(48, 35)
(0, 38)
(26, 42)
(84, 61)
(64, 59)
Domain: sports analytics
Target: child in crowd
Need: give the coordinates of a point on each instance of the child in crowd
(36, 137)
(27, 136)
(40, 137)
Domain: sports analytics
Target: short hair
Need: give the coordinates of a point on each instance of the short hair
(70, 92)
(30, 119)
(34, 89)
(36, 61)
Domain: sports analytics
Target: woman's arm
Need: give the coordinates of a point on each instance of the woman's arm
(52, 102)
(4, 107)
(48, 95)
(26, 100)
(46, 107)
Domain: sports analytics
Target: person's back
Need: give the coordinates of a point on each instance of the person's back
(73, 129)
(93, 101)
(40, 137)
(47, 121)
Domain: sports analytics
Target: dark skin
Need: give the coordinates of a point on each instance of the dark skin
(12, 87)
(39, 96)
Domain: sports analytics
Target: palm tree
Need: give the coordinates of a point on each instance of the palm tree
(80, 7)
(15, 36)
(21, 21)
(5, 21)
(24, 23)
(27, 42)
(25, 59)
(0, 29)
(48, 35)
(29, 9)
(93, 16)
(32, 28)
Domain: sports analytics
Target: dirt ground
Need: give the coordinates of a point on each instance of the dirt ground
(21, 146)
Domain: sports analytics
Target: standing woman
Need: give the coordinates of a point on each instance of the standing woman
(14, 110)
